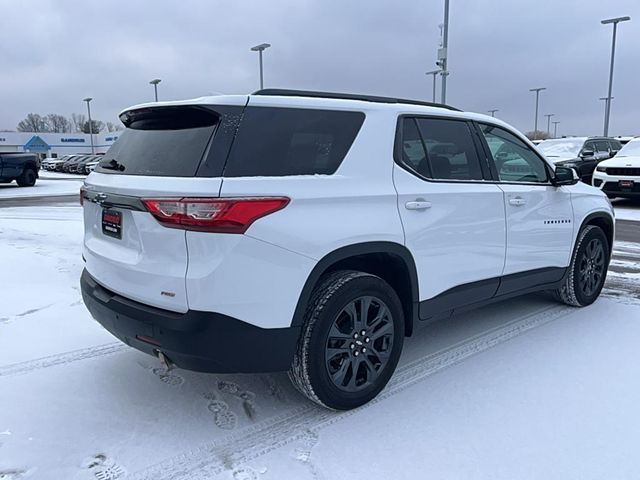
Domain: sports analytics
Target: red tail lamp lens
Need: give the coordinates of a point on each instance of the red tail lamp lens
(223, 215)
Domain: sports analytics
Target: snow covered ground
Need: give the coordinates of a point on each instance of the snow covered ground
(525, 389)
(627, 210)
(43, 188)
(60, 175)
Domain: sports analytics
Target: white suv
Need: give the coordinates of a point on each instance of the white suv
(620, 176)
(312, 232)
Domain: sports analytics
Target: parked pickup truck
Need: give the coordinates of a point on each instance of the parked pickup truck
(21, 167)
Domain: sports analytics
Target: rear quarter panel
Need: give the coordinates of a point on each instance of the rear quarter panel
(356, 204)
(278, 252)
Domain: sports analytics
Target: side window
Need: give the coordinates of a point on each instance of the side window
(615, 145)
(290, 141)
(515, 161)
(602, 146)
(450, 150)
(589, 145)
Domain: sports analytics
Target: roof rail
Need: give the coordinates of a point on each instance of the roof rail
(347, 96)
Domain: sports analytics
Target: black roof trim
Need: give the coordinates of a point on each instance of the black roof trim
(347, 96)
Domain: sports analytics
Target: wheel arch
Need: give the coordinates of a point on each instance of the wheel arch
(389, 260)
(602, 220)
(30, 165)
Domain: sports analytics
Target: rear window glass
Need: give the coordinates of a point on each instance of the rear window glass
(289, 141)
(167, 141)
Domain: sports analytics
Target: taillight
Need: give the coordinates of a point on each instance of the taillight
(223, 215)
(82, 195)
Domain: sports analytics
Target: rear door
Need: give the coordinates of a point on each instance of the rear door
(453, 219)
(539, 215)
(166, 152)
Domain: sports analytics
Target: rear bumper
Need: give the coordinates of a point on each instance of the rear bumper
(195, 340)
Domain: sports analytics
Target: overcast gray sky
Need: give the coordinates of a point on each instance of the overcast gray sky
(55, 53)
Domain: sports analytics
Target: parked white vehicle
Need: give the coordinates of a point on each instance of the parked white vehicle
(312, 232)
(91, 166)
(55, 164)
(620, 176)
(45, 163)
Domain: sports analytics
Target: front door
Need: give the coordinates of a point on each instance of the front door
(539, 215)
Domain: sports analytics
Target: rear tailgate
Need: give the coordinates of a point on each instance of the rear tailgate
(139, 259)
(159, 156)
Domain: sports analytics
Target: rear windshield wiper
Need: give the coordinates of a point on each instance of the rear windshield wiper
(113, 164)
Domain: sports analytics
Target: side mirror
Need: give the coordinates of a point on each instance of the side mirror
(565, 176)
(587, 153)
(614, 152)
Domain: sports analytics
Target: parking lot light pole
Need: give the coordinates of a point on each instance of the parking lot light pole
(88, 99)
(261, 48)
(549, 115)
(155, 83)
(434, 73)
(493, 112)
(607, 101)
(615, 22)
(555, 128)
(445, 53)
(535, 128)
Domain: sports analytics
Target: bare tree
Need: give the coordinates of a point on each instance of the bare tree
(61, 124)
(58, 123)
(114, 127)
(77, 121)
(539, 135)
(33, 123)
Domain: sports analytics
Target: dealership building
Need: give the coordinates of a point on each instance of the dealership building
(56, 144)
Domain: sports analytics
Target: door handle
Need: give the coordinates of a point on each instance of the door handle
(517, 201)
(417, 205)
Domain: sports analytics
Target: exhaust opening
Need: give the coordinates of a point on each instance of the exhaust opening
(168, 364)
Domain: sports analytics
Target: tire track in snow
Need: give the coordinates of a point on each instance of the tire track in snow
(214, 458)
(61, 359)
(24, 314)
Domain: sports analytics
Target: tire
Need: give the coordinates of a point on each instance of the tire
(27, 179)
(588, 269)
(332, 346)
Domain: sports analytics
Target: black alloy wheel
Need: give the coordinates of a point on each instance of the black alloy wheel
(359, 343)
